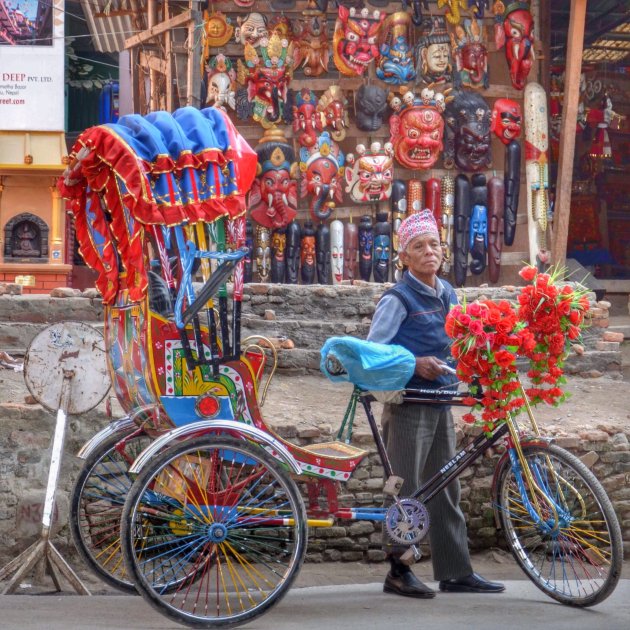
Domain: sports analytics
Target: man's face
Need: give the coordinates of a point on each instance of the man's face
(423, 256)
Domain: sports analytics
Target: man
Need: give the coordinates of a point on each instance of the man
(420, 439)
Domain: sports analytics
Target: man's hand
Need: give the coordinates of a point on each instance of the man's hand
(430, 368)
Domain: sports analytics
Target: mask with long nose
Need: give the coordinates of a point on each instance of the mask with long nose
(333, 109)
(266, 75)
(471, 55)
(273, 195)
(514, 29)
(322, 166)
(307, 121)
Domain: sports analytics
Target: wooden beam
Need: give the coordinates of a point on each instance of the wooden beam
(179, 20)
(135, 79)
(562, 209)
(153, 63)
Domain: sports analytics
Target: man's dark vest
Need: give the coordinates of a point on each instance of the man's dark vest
(422, 331)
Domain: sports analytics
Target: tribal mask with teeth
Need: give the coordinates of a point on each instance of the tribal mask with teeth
(417, 128)
(369, 174)
(355, 42)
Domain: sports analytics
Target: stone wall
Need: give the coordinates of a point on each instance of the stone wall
(310, 315)
(604, 448)
(25, 436)
(307, 316)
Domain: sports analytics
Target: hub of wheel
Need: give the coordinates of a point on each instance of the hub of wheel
(217, 532)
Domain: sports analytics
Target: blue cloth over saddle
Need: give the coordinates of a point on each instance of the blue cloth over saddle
(371, 366)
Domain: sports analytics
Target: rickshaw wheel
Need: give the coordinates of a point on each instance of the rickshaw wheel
(97, 501)
(225, 521)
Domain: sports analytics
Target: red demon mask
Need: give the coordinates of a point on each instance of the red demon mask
(417, 129)
(355, 42)
(506, 120)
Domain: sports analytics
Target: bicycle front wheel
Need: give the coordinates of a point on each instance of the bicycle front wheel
(214, 532)
(571, 547)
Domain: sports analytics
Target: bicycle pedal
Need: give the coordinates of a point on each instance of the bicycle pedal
(393, 485)
(411, 556)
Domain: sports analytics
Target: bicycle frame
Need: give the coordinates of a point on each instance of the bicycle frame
(455, 466)
(468, 455)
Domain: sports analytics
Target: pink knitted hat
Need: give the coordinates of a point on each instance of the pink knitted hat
(414, 225)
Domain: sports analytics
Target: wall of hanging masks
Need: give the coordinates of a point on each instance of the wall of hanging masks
(363, 112)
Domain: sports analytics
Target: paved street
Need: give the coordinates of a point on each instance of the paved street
(349, 606)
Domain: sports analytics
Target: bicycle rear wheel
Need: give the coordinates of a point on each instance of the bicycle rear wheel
(227, 524)
(575, 558)
(98, 497)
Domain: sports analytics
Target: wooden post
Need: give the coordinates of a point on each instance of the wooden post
(168, 49)
(562, 208)
(154, 100)
(193, 80)
(56, 224)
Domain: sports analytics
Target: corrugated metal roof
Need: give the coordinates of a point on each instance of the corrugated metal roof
(611, 47)
(110, 23)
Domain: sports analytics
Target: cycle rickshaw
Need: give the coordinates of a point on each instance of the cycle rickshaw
(191, 498)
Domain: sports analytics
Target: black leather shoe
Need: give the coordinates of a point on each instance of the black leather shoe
(472, 583)
(407, 585)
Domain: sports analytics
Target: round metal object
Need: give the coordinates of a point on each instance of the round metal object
(410, 526)
(67, 348)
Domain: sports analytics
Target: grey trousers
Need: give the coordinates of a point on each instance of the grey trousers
(420, 439)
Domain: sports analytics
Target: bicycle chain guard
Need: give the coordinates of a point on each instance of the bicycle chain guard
(410, 527)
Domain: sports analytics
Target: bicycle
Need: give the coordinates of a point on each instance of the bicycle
(224, 511)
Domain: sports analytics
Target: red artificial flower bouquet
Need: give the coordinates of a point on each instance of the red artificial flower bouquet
(488, 337)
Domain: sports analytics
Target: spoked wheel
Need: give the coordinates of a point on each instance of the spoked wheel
(576, 556)
(97, 501)
(221, 518)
